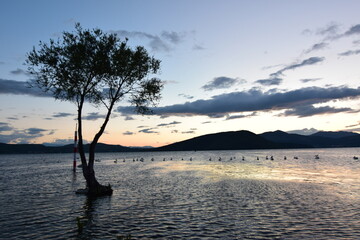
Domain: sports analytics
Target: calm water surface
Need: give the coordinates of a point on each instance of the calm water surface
(300, 198)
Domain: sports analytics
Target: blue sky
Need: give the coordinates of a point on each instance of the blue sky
(227, 65)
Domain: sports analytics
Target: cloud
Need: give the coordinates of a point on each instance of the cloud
(93, 116)
(350, 52)
(206, 122)
(198, 47)
(306, 62)
(20, 88)
(62, 114)
(148, 130)
(22, 135)
(316, 47)
(353, 125)
(270, 81)
(129, 118)
(173, 37)
(309, 110)
(164, 42)
(254, 100)
(4, 127)
(13, 118)
(165, 82)
(188, 132)
(222, 83)
(330, 30)
(128, 133)
(305, 80)
(19, 71)
(231, 117)
(353, 30)
(168, 124)
(274, 78)
(185, 96)
(305, 131)
(35, 131)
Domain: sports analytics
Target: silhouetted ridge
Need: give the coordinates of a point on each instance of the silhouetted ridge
(222, 141)
(217, 141)
(340, 134)
(316, 140)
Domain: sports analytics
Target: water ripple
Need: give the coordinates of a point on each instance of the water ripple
(180, 199)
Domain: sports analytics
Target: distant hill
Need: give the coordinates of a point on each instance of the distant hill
(222, 141)
(339, 134)
(316, 140)
(39, 148)
(235, 140)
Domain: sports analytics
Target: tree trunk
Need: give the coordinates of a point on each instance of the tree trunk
(94, 188)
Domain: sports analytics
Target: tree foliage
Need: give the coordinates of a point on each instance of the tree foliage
(95, 67)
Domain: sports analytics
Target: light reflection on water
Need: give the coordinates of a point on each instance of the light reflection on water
(179, 198)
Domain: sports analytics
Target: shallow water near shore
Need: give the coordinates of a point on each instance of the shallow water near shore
(184, 195)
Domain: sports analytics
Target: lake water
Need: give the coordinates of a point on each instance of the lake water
(304, 198)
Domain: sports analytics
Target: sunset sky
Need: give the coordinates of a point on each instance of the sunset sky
(227, 65)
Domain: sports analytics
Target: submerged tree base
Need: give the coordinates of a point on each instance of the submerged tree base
(97, 191)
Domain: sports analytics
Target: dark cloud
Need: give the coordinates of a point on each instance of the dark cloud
(4, 127)
(306, 62)
(309, 110)
(20, 88)
(350, 52)
(148, 130)
(270, 81)
(174, 131)
(271, 66)
(142, 126)
(62, 114)
(254, 100)
(198, 47)
(19, 71)
(173, 37)
(274, 78)
(35, 131)
(330, 30)
(216, 115)
(168, 124)
(188, 132)
(13, 118)
(231, 117)
(93, 116)
(353, 125)
(164, 42)
(305, 131)
(221, 83)
(129, 118)
(165, 82)
(305, 80)
(353, 30)
(128, 133)
(185, 96)
(317, 46)
(22, 135)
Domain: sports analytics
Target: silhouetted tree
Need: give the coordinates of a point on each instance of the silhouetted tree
(95, 67)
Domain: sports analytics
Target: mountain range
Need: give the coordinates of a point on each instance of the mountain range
(234, 140)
